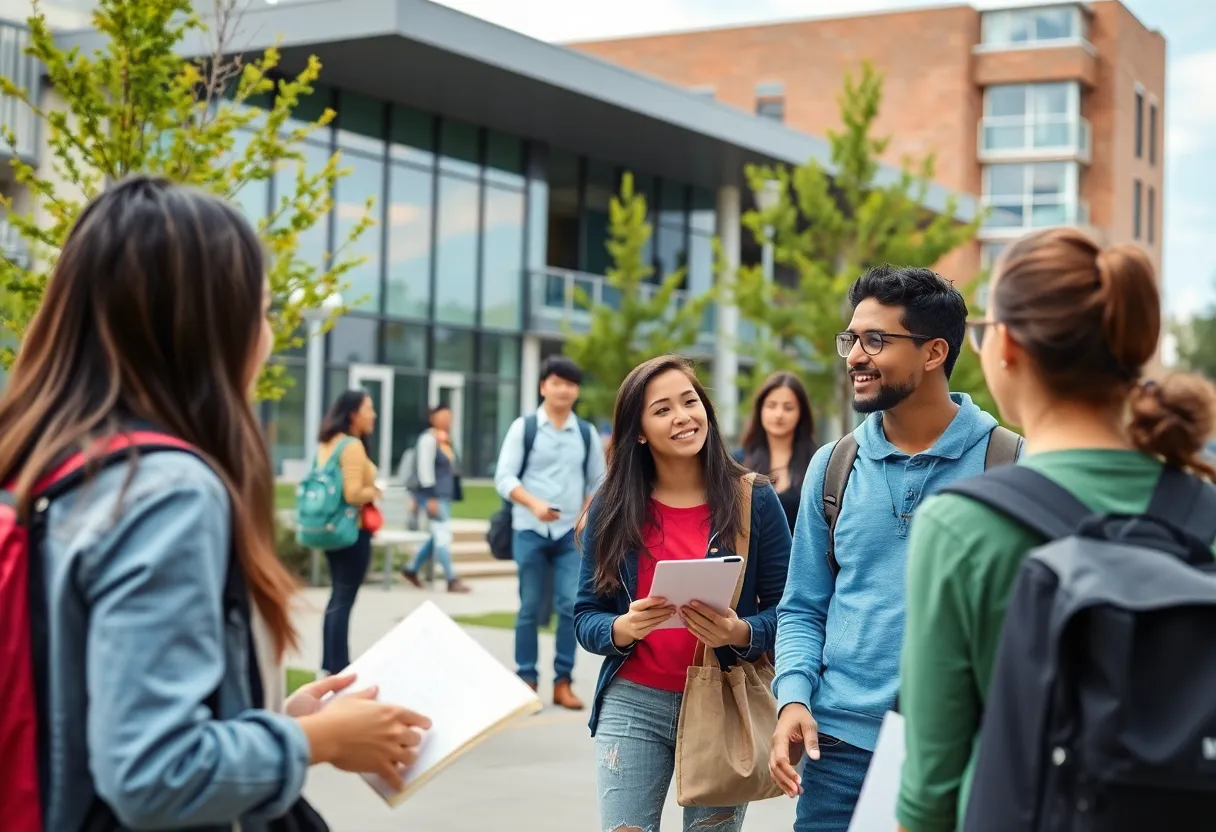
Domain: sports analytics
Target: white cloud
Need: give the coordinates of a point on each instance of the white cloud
(1191, 100)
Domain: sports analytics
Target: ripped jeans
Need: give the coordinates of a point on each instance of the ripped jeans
(635, 747)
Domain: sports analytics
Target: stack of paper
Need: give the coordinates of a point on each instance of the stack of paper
(880, 790)
(428, 664)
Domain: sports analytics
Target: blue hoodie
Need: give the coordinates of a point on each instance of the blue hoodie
(838, 641)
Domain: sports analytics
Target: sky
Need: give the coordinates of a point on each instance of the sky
(1189, 27)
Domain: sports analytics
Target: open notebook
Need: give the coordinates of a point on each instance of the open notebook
(428, 664)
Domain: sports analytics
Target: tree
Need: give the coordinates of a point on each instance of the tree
(638, 319)
(1196, 343)
(137, 106)
(826, 230)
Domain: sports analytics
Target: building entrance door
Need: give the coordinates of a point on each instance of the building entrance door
(448, 389)
(377, 380)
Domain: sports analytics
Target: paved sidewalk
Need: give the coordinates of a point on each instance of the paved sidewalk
(538, 775)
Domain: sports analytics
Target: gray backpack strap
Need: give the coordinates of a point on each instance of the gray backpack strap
(835, 480)
(1003, 448)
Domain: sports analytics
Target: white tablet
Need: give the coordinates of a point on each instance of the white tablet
(708, 580)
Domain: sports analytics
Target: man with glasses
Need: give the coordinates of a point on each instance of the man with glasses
(841, 621)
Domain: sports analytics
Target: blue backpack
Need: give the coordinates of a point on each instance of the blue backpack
(324, 520)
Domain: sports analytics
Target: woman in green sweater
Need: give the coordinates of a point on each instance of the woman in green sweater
(1070, 328)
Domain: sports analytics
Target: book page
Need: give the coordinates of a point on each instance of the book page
(880, 790)
(428, 664)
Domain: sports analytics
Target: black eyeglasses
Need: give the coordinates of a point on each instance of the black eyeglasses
(872, 341)
(975, 333)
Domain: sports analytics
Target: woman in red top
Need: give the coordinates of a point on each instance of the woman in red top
(671, 492)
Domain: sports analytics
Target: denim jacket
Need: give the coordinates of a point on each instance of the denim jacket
(137, 642)
(763, 584)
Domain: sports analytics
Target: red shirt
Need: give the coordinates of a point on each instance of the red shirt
(661, 659)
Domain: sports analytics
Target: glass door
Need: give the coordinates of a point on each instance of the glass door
(448, 389)
(378, 382)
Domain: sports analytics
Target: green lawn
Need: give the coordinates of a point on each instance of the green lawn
(480, 501)
(498, 620)
(297, 678)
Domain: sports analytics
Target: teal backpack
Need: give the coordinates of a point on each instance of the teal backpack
(324, 520)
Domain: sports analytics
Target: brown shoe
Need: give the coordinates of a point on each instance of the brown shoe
(563, 696)
(458, 586)
(531, 685)
(412, 578)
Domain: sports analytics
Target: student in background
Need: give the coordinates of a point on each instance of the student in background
(1069, 332)
(345, 429)
(154, 318)
(672, 492)
(438, 487)
(779, 440)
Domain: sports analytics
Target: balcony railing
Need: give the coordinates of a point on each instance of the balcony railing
(1010, 217)
(26, 72)
(1004, 138)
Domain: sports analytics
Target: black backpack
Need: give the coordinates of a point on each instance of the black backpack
(500, 532)
(1101, 712)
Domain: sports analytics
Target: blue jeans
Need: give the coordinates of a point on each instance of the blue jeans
(831, 786)
(347, 569)
(635, 749)
(534, 554)
(442, 553)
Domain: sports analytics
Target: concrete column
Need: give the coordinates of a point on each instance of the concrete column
(726, 355)
(529, 375)
(315, 380)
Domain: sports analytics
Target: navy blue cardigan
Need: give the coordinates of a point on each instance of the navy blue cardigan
(763, 584)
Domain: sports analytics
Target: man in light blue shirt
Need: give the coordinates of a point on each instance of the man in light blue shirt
(564, 467)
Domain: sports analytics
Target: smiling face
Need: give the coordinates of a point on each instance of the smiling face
(885, 380)
(779, 413)
(674, 422)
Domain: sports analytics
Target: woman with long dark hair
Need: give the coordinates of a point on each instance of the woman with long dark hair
(779, 440)
(672, 492)
(345, 431)
(154, 318)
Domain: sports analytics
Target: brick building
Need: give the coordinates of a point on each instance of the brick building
(1054, 114)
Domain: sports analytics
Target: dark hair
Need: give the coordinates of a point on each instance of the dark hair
(1091, 319)
(931, 305)
(621, 507)
(153, 313)
(437, 409)
(563, 368)
(755, 441)
(340, 414)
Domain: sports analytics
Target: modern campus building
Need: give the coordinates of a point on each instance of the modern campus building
(492, 158)
(1053, 113)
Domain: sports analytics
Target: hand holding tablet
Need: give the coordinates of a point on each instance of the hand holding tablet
(711, 581)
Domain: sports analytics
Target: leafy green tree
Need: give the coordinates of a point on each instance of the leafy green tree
(137, 106)
(826, 230)
(1196, 342)
(635, 318)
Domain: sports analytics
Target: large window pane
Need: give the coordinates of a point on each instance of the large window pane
(1006, 181)
(700, 264)
(504, 259)
(456, 251)
(405, 345)
(309, 109)
(563, 219)
(703, 216)
(412, 134)
(409, 242)
(504, 159)
(312, 243)
(1048, 179)
(360, 123)
(672, 204)
(285, 422)
(1052, 99)
(454, 349)
(253, 198)
(459, 144)
(499, 356)
(365, 179)
(1054, 24)
(353, 340)
(409, 413)
(1005, 100)
(672, 251)
(498, 407)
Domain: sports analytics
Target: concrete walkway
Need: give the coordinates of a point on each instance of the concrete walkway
(538, 775)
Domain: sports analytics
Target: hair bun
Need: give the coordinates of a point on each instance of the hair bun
(1131, 306)
(1173, 418)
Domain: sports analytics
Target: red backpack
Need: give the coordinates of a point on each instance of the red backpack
(23, 623)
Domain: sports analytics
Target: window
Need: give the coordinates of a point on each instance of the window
(499, 356)
(366, 179)
(1021, 117)
(503, 263)
(1139, 124)
(770, 100)
(1152, 215)
(1019, 27)
(283, 421)
(412, 134)
(989, 252)
(453, 350)
(456, 251)
(1032, 195)
(312, 244)
(1152, 133)
(461, 148)
(405, 345)
(409, 242)
(360, 123)
(254, 196)
(1137, 188)
(353, 340)
(504, 159)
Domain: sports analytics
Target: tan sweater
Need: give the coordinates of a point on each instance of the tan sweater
(358, 472)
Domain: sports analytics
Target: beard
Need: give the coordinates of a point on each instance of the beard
(887, 397)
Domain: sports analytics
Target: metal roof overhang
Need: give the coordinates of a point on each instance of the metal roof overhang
(428, 56)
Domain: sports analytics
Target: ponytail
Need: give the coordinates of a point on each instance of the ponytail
(1173, 418)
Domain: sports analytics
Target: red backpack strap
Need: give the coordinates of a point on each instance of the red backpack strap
(69, 473)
